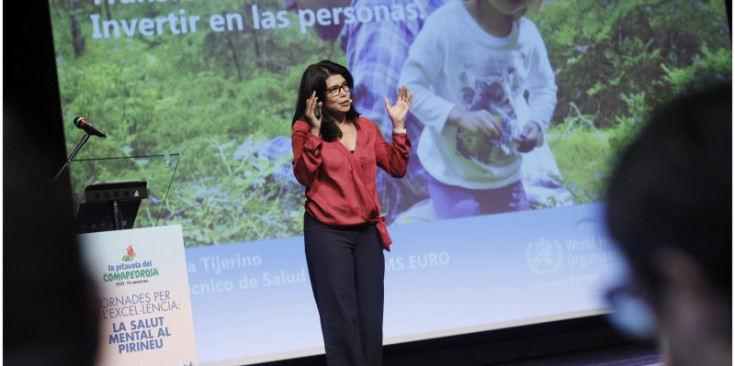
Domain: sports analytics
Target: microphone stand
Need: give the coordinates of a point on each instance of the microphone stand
(71, 156)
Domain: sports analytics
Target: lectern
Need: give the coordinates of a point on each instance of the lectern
(111, 205)
(112, 192)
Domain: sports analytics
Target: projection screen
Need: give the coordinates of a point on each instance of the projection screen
(204, 91)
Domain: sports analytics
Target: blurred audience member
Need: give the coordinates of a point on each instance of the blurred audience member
(49, 302)
(669, 208)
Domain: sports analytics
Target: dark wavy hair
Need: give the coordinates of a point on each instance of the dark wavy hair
(672, 187)
(315, 78)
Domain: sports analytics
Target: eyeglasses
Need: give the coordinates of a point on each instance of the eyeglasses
(337, 90)
(629, 312)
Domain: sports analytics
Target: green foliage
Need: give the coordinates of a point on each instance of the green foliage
(614, 62)
(582, 152)
(234, 202)
(200, 95)
(627, 126)
(706, 68)
(602, 49)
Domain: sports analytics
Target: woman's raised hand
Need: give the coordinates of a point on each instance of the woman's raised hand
(314, 121)
(398, 111)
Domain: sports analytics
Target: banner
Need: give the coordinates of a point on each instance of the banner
(143, 296)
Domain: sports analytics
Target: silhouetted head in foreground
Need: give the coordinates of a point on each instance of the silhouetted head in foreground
(669, 208)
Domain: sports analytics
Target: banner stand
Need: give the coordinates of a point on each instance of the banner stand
(143, 296)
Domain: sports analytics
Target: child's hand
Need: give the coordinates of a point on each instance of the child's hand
(479, 122)
(529, 138)
(397, 112)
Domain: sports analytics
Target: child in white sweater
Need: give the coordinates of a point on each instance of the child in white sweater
(470, 68)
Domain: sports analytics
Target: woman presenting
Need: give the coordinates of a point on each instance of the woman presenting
(336, 155)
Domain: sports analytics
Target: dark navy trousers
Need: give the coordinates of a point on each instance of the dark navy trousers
(346, 269)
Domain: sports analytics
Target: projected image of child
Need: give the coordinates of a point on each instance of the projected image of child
(470, 68)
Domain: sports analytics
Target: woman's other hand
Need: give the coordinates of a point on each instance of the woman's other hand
(398, 111)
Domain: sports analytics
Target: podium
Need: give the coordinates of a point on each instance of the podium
(121, 192)
(140, 274)
(143, 296)
(111, 205)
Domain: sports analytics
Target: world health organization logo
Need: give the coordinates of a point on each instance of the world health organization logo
(544, 256)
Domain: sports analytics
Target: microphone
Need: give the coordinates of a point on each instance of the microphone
(83, 124)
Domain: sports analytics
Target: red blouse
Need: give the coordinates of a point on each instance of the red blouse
(340, 186)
